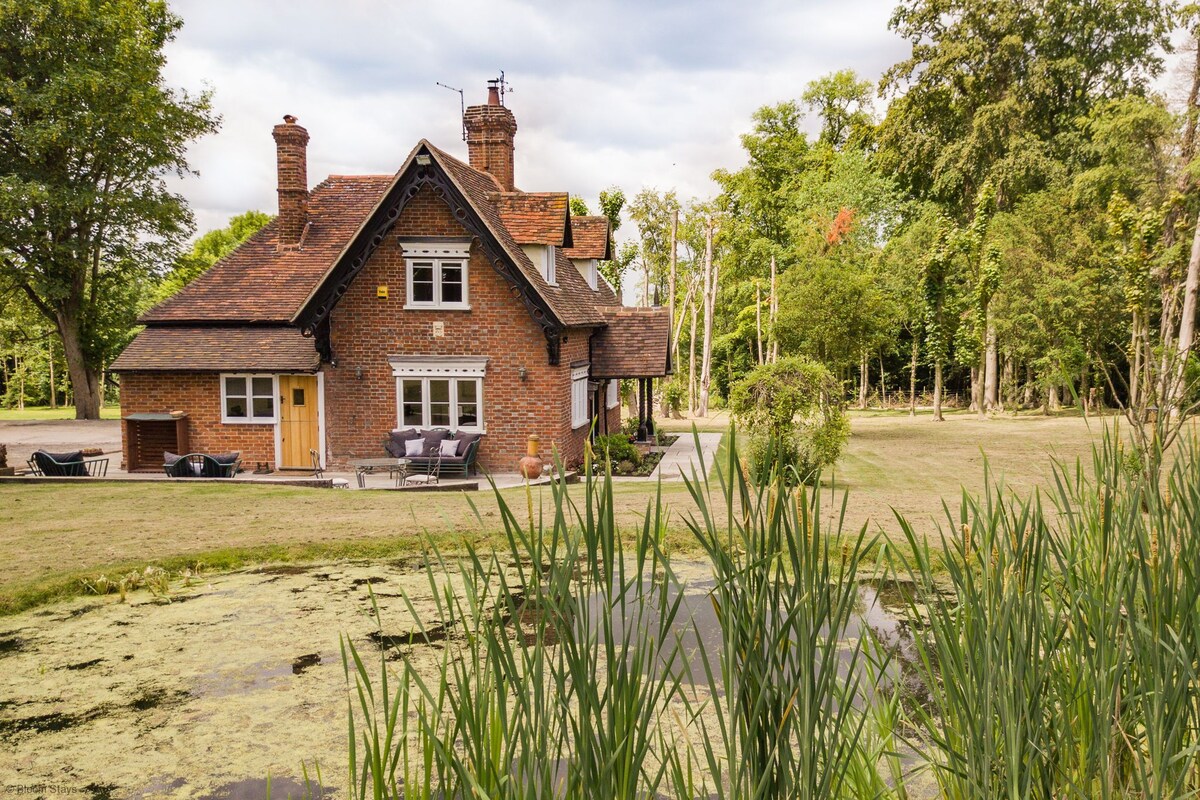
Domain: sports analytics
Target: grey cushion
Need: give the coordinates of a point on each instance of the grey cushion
(170, 459)
(433, 440)
(467, 440)
(225, 459)
(394, 449)
(411, 447)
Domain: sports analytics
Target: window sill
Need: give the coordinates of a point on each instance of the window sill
(443, 307)
(244, 421)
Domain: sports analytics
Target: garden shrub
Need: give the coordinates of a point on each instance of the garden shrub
(617, 448)
(793, 411)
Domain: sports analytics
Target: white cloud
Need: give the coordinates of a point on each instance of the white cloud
(628, 93)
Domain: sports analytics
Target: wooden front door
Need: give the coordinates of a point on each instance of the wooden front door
(298, 424)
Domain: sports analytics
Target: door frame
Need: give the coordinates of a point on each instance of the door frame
(320, 375)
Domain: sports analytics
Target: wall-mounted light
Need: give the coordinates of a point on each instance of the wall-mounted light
(358, 373)
(522, 373)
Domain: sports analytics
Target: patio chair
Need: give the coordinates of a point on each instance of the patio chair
(201, 465)
(67, 465)
(319, 471)
(433, 465)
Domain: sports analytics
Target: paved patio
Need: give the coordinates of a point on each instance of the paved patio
(24, 437)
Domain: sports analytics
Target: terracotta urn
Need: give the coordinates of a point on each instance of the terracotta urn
(530, 466)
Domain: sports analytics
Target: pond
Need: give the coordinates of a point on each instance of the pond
(239, 677)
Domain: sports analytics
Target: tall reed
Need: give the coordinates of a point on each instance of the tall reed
(1062, 642)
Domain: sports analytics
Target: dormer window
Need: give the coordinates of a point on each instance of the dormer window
(589, 268)
(436, 273)
(543, 257)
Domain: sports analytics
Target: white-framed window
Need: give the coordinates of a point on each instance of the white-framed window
(248, 398)
(543, 257)
(439, 392)
(579, 396)
(614, 393)
(436, 273)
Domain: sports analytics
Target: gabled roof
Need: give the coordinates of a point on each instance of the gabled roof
(636, 343)
(590, 237)
(262, 282)
(536, 217)
(219, 349)
(265, 283)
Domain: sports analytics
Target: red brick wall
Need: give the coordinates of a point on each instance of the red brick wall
(199, 394)
(366, 329)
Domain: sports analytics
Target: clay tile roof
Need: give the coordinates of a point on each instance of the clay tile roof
(636, 344)
(219, 349)
(259, 281)
(536, 217)
(572, 300)
(590, 237)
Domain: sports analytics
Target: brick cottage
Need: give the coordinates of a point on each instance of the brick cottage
(438, 297)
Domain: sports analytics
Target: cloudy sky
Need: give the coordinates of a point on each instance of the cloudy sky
(628, 93)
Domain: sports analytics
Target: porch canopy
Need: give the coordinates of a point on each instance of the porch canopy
(635, 343)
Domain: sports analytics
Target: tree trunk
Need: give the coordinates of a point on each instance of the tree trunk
(863, 378)
(85, 381)
(1187, 323)
(53, 388)
(937, 392)
(882, 385)
(693, 385)
(1052, 403)
(977, 390)
(991, 383)
(758, 320)
(1083, 391)
(774, 310)
(912, 380)
(1006, 383)
(1135, 364)
(666, 410)
(710, 291)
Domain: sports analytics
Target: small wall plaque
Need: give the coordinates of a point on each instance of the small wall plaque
(381, 292)
(439, 330)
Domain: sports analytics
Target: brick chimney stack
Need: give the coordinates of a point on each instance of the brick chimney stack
(291, 155)
(490, 131)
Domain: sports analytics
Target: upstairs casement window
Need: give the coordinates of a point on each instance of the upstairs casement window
(436, 273)
(439, 392)
(544, 257)
(579, 396)
(247, 398)
(614, 393)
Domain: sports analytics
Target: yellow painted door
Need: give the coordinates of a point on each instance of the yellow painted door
(298, 429)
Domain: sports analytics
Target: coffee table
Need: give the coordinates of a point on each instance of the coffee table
(367, 466)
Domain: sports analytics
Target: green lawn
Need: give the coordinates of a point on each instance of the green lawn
(34, 413)
(52, 535)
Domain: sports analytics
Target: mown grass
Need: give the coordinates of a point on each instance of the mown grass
(54, 535)
(35, 413)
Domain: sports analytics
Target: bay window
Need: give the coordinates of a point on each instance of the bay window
(579, 396)
(439, 392)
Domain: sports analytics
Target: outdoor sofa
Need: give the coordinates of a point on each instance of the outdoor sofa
(461, 463)
(67, 465)
(202, 465)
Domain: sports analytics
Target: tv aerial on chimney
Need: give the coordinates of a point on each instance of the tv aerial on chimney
(462, 107)
(502, 85)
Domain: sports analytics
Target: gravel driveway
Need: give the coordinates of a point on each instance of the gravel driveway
(59, 435)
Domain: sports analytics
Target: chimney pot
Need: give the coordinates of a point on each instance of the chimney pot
(493, 94)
